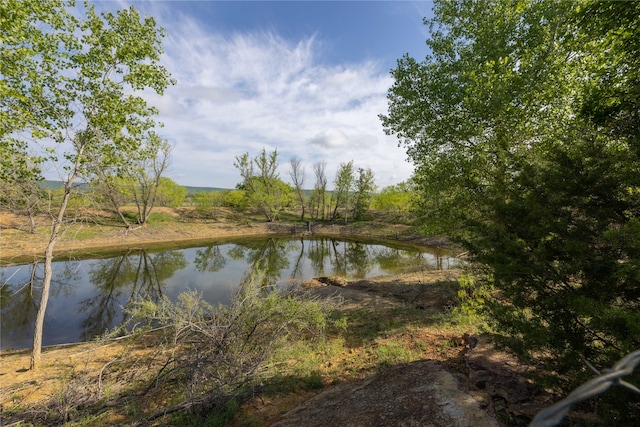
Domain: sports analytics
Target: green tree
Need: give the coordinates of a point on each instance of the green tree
(343, 187)
(144, 176)
(75, 83)
(264, 188)
(133, 177)
(612, 96)
(234, 199)
(208, 203)
(23, 195)
(319, 192)
(297, 177)
(28, 94)
(111, 192)
(170, 194)
(519, 160)
(363, 192)
(396, 199)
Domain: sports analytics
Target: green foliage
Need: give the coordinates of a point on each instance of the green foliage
(170, 194)
(76, 83)
(29, 107)
(297, 178)
(523, 128)
(473, 296)
(343, 186)
(136, 178)
(230, 346)
(363, 193)
(396, 200)
(234, 199)
(264, 189)
(318, 199)
(35, 41)
(352, 192)
(208, 204)
(23, 195)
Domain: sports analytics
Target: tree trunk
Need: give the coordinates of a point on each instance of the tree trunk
(32, 221)
(116, 206)
(38, 328)
(46, 281)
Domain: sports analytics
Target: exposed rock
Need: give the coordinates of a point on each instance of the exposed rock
(333, 281)
(502, 377)
(422, 393)
(480, 386)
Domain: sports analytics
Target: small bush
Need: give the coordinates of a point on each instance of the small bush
(218, 354)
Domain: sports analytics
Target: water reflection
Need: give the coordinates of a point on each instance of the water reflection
(87, 296)
(19, 301)
(268, 257)
(136, 272)
(20, 292)
(209, 259)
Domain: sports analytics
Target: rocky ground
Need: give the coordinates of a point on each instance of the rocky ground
(477, 386)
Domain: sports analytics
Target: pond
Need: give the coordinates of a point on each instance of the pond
(87, 295)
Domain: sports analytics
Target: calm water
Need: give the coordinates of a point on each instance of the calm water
(87, 295)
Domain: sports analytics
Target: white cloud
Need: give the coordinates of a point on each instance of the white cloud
(247, 91)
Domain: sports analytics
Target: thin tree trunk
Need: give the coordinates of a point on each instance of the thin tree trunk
(116, 206)
(46, 281)
(32, 221)
(38, 328)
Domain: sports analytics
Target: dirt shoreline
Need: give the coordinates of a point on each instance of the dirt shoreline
(17, 246)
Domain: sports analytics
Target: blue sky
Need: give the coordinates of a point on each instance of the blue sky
(307, 78)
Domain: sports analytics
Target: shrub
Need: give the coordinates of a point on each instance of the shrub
(219, 353)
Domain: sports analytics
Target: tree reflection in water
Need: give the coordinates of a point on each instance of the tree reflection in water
(19, 299)
(18, 302)
(298, 267)
(89, 294)
(345, 258)
(209, 259)
(137, 273)
(265, 259)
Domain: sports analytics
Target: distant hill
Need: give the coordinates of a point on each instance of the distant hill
(57, 185)
(51, 185)
(194, 190)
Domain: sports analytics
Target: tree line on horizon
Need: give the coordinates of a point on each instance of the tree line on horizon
(353, 195)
